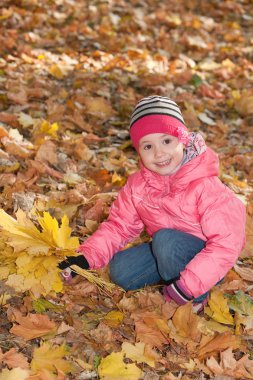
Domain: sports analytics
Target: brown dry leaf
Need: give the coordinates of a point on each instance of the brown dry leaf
(101, 177)
(28, 178)
(218, 343)
(150, 328)
(3, 132)
(7, 179)
(233, 285)
(47, 152)
(245, 104)
(47, 375)
(228, 365)
(244, 367)
(191, 115)
(14, 374)
(245, 272)
(4, 155)
(248, 249)
(83, 289)
(186, 322)
(228, 361)
(128, 303)
(42, 168)
(32, 326)
(9, 119)
(83, 152)
(96, 212)
(147, 299)
(99, 107)
(77, 119)
(214, 366)
(14, 359)
(103, 334)
(8, 166)
(18, 95)
(210, 92)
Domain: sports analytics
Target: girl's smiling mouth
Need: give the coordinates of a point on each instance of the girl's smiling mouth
(163, 163)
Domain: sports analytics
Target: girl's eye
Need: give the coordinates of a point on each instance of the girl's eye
(166, 141)
(147, 147)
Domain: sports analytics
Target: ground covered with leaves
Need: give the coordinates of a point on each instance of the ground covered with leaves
(70, 74)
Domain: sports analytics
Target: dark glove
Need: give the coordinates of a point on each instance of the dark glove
(80, 261)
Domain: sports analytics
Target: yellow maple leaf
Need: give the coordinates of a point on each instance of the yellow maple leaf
(114, 318)
(60, 235)
(211, 327)
(16, 281)
(137, 353)
(14, 374)
(38, 272)
(24, 235)
(118, 180)
(4, 298)
(49, 129)
(57, 71)
(51, 358)
(29, 256)
(7, 260)
(113, 367)
(4, 272)
(218, 308)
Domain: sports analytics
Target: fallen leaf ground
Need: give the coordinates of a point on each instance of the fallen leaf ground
(70, 74)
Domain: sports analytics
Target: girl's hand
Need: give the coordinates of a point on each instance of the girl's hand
(177, 292)
(64, 265)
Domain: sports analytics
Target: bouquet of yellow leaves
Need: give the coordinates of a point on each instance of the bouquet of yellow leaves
(30, 255)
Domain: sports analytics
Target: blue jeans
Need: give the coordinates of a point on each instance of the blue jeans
(160, 260)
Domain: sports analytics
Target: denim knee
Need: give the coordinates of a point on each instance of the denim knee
(159, 236)
(173, 250)
(116, 273)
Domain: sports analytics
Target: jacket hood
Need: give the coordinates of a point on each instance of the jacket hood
(201, 162)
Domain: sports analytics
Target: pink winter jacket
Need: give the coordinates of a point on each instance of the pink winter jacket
(192, 200)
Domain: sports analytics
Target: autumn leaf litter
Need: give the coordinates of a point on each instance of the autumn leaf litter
(70, 74)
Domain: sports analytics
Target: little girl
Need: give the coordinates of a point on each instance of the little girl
(196, 223)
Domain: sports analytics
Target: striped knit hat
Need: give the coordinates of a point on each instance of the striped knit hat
(157, 114)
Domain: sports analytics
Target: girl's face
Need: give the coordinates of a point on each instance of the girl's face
(161, 153)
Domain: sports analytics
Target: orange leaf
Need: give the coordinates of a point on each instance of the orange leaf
(210, 92)
(14, 359)
(150, 328)
(186, 322)
(32, 326)
(219, 343)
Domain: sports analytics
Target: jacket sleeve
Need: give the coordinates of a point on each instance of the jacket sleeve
(122, 226)
(223, 219)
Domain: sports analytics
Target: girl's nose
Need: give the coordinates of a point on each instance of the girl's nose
(159, 152)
